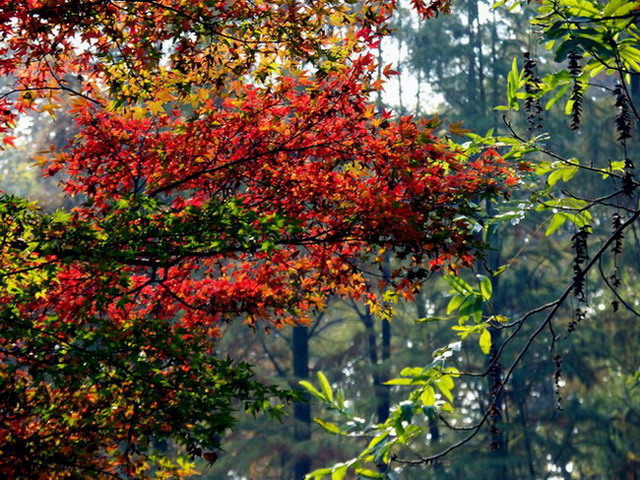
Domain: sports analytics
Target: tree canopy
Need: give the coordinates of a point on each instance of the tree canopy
(227, 169)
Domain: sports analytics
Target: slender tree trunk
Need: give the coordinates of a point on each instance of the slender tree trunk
(472, 14)
(634, 88)
(379, 74)
(419, 93)
(302, 410)
(482, 96)
(381, 392)
(496, 87)
(385, 392)
(635, 79)
(400, 39)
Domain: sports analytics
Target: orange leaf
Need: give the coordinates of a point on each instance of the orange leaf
(387, 72)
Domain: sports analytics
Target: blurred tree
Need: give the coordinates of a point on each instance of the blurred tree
(465, 57)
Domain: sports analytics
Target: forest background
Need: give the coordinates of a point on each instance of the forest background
(570, 410)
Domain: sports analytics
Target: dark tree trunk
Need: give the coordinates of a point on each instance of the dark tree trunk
(381, 391)
(302, 410)
(634, 89)
(384, 399)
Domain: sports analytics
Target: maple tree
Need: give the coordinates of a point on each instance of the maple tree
(230, 167)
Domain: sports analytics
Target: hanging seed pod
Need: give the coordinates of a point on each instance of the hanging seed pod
(623, 119)
(577, 92)
(557, 378)
(579, 244)
(616, 223)
(532, 87)
(628, 184)
(578, 316)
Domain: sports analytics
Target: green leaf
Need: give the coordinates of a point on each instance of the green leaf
(339, 473)
(485, 341)
(557, 96)
(328, 426)
(406, 411)
(459, 285)
(366, 473)
(631, 56)
(411, 371)
(325, 385)
(447, 381)
(619, 8)
(267, 246)
(464, 331)
(428, 396)
(317, 473)
(500, 269)
(595, 69)
(618, 165)
(455, 303)
(467, 308)
(556, 222)
(579, 219)
(568, 108)
(376, 440)
(565, 174)
(60, 217)
(445, 391)
(430, 319)
(513, 84)
(486, 289)
(399, 381)
(477, 310)
(311, 389)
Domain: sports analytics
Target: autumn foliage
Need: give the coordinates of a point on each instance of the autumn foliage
(230, 166)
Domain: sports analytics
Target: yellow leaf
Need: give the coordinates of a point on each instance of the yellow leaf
(485, 341)
(40, 160)
(165, 96)
(50, 108)
(139, 113)
(336, 19)
(156, 107)
(428, 397)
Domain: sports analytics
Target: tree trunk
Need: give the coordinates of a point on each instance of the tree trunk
(381, 392)
(472, 15)
(384, 401)
(496, 86)
(301, 410)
